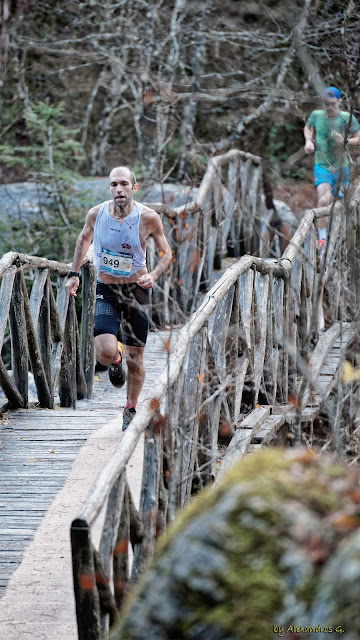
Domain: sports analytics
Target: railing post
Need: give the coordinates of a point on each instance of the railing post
(86, 593)
(67, 379)
(19, 344)
(149, 503)
(87, 325)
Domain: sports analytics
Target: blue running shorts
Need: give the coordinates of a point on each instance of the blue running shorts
(332, 177)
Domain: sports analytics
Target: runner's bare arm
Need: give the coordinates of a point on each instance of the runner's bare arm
(354, 139)
(309, 139)
(82, 245)
(147, 279)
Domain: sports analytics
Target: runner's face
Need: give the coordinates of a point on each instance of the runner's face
(331, 107)
(121, 188)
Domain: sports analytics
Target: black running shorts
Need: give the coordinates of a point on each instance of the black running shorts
(125, 305)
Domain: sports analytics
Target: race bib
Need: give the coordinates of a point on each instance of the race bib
(116, 263)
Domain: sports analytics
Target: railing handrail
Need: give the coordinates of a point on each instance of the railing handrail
(33, 262)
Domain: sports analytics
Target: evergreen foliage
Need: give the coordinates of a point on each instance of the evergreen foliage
(50, 158)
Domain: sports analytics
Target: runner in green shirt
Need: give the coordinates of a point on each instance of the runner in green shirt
(332, 130)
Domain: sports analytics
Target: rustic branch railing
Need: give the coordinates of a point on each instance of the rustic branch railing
(245, 344)
(227, 215)
(44, 331)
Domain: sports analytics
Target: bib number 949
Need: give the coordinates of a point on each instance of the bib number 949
(116, 263)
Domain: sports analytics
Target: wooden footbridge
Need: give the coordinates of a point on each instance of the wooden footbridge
(253, 353)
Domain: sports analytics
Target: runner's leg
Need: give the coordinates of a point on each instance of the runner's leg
(106, 348)
(136, 327)
(325, 198)
(323, 183)
(135, 373)
(106, 325)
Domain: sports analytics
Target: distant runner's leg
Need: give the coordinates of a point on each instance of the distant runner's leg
(325, 198)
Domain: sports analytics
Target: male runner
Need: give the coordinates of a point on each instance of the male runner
(120, 228)
(333, 130)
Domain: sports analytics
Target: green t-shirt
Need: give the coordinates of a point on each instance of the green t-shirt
(329, 154)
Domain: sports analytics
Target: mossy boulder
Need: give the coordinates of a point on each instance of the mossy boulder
(248, 557)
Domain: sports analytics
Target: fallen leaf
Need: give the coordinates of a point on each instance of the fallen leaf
(194, 260)
(121, 547)
(101, 579)
(148, 98)
(159, 424)
(226, 432)
(87, 582)
(51, 451)
(349, 373)
(306, 457)
(294, 400)
(354, 495)
(344, 522)
(167, 345)
(154, 404)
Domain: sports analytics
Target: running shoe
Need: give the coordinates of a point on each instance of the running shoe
(116, 373)
(128, 414)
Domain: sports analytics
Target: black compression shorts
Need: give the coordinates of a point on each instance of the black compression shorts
(125, 305)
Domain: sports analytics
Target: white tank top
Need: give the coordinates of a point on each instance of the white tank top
(117, 248)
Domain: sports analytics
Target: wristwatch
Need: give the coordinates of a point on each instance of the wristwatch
(73, 273)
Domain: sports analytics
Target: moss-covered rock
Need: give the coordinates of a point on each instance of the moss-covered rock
(337, 598)
(248, 554)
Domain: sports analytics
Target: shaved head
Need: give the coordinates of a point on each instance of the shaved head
(132, 175)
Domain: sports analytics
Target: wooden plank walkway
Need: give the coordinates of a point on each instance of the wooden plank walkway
(39, 446)
(262, 425)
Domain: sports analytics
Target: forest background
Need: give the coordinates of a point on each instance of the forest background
(161, 86)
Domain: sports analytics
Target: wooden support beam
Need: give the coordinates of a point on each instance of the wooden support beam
(109, 535)
(45, 398)
(19, 343)
(11, 391)
(149, 499)
(86, 593)
(5, 301)
(241, 440)
(43, 330)
(192, 398)
(267, 431)
(67, 377)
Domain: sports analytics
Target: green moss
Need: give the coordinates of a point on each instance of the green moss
(245, 553)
